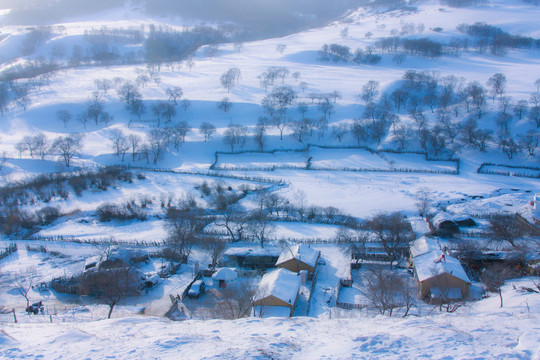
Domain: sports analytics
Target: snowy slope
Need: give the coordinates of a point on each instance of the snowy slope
(479, 330)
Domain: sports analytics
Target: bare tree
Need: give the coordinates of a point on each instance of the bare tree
(111, 285)
(260, 226)
(40, 145)
(494, 277)
(225, 104)
(174, 93)
(235, 135)
(207, 130)
(506, 228)
(185, 226)
(382, 288)
(393, 232)
(235, 301)
(281, 48)
(216, 247)
(120, 142)
(520, 108)
(68, 146)
(136, 107)
(128, 92)
(230, 78)
(530, 141)
(23, 282)
(370, 91)
(135, 142)
(497, 82)
(157, 140)
(423, 201)
(280, 123)
(260, 131)
(64, 116)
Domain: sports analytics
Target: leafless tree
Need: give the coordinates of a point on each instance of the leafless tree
(185, 226)
(64, 116)
(230, 78)
(207, 129)
(506, 228)
(520, 108)
(382, 289)
(393, 233)
(157, 140)
(135, 142)
(216, 246)
(370, 91)
(174, 93)
(23, 282)
(497, 82)
(260, 132)
(236, 301)
(423, 201)
(235, 135)
(137, 108)
(260, 226)
(225, 104)
(530, 141)
(494, 277)
(120, 142)
(68, 146)
(111, 285)
(281, 48)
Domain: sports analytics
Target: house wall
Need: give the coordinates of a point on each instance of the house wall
(274, 301)
(296, 266)
(443, 281)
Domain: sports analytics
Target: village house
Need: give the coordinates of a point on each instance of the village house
(440, 277)
(277, 293)
(252, 258)
(299, 257)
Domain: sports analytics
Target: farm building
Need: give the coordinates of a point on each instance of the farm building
(445, 223)
(253, 258)
(224, 276)
(439, 276)
(277, 293)
(298, 258)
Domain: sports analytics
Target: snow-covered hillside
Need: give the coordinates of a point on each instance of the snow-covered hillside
(479, 330)
(329, 154)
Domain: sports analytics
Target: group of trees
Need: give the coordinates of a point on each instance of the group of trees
(38, 146)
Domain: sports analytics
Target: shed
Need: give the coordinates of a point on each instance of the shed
(440, 277)
(224, 276)
(254, 258)
(277, 289)
(445, 223)
(299, 257)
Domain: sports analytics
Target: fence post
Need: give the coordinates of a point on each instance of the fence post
(14, 316)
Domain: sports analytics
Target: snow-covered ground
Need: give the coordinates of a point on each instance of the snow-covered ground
(479, 330)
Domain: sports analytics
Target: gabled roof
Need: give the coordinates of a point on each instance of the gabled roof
(301, 253)
(280, 283)
(432, 264)
(423, 245)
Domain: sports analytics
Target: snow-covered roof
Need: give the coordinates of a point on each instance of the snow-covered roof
(423, 245)
(280, 283)
(226, 274)
(442, 217)
(300, 252)
(432, 264)
(253, 251)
